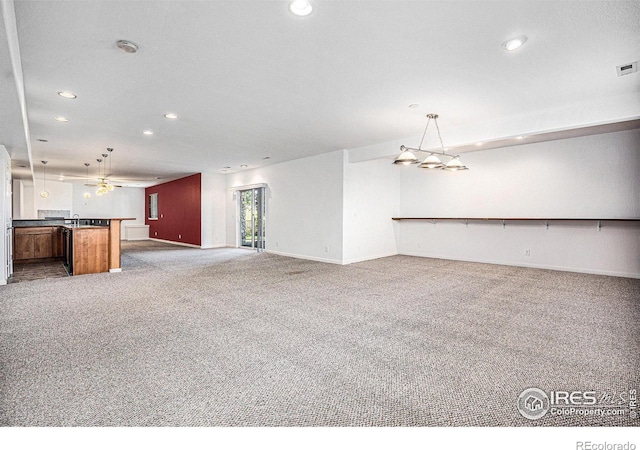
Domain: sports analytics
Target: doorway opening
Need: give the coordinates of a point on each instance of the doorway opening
(252, 218)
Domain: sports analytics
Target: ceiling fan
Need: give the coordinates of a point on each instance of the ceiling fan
(104, 183)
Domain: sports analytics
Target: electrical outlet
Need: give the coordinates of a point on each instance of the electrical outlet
(179, 236)
(326, 249)
(527, 252)
(155, 233)
(277, 243)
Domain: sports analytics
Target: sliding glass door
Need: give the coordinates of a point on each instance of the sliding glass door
(252, 220)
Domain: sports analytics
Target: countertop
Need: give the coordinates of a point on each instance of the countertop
(58, 222)
(77, 227)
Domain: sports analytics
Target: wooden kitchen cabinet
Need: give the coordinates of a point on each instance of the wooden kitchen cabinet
(33, 243)
(58, 250)
(90, 250)
(43, 247)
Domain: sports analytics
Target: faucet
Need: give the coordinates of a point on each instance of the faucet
(76, 219)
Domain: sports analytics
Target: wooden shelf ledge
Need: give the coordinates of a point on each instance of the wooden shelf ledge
(518, 218)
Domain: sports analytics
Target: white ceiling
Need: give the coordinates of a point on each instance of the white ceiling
(250, 80)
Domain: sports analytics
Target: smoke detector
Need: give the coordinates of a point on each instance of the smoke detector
(127, 46)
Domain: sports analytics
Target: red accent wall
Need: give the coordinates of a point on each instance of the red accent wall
(179, 210)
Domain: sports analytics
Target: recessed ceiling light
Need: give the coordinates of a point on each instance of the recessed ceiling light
(227, 167)
(478, 144)
(171, 116)
(300, 7)
(414, 105)
(147, 132)
(43, 140)
(66, 94)
(520, 137)
(515, 43)
(244, 166)
(223, 170)
(127, 46)
(61, 119)
(267, 157)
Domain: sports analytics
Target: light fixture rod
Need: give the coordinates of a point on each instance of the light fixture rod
(424, 133)
(432, 152)
(435, 119)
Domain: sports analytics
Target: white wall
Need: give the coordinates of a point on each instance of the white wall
(18, 199)
(371, 198)
(59, 198)
(304, 206)
(28, 199)
(5, 215)
(121, 202)
(586, 177)
(214, 210)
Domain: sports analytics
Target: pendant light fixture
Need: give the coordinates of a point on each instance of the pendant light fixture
(44, 193)
(104, 186)
(104, 183)
(110, 154)
(101, 188)
(432, 161)
(87, 194)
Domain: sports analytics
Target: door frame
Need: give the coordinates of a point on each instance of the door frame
(265, 211)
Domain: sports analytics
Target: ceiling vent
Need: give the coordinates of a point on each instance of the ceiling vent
(627, 68)
(127, 46)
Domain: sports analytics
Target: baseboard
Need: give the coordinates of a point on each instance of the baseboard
(184, 244)
(139, 239)
(310, 258)
(610, 273)
(118, 270)
(209, 247)
(328, 260)
(369, 258)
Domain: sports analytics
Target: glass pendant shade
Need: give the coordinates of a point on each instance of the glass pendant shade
(431, 162)
(44, 193)
(405, 158)
(455, 165)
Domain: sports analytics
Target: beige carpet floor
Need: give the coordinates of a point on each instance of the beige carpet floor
(189, 337)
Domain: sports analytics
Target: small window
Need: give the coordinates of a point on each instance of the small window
(153, 206)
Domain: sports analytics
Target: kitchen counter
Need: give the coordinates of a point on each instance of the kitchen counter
(22, 223)
(75, 227)
(86, 249)
(43, 238)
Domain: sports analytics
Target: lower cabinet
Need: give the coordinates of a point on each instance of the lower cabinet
(33, 242)
(58, 251)
(85, 249)
(90, 250)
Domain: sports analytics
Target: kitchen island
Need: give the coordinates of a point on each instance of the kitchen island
(85, 249)
(85, 245)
